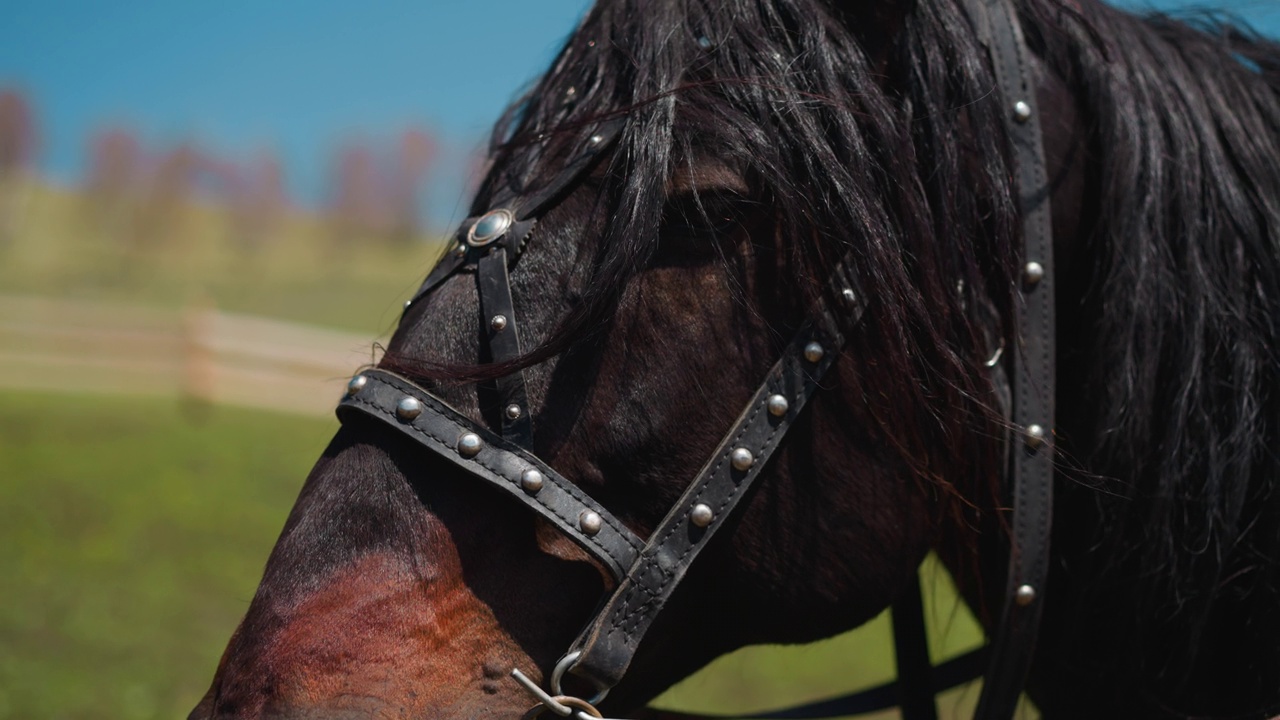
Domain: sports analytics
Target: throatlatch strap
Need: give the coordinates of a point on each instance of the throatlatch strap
(1033, 377)
(911, 654)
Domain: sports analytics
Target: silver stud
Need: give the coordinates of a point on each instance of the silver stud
(849, 295)
(1021, 111)
(408, 408)
(490, 227)
(356, 385)
(813, 352)
(741, 459)
(1025, 595)
(531, 480)
(1032, 273)
(777, 405)
(514, 412)
(460, 250)
(590, 522)
(469, 444)
(1035, 436)
(701, 515)
(596, 139)
(407, 303)
(704, 42)
(498, 323)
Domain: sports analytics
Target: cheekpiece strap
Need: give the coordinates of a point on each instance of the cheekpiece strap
(428, 421)
(1013, 645)
(499, 324)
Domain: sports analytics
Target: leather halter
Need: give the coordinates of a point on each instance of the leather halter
(647, 571)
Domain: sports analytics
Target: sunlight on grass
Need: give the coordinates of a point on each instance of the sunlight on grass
(136, 533)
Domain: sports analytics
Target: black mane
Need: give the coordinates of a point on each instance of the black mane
(1170, 400)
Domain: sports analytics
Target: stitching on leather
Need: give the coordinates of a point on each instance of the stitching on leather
(630, 620)
(444, 443)
(567, 487)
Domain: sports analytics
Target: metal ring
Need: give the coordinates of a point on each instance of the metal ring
(580, 704)
(584, 709)
(558, 674)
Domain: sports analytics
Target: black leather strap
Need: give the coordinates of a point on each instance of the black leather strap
(499, 322)
(911, 654)
(610, 641)
(439, 428)
(1013, 646)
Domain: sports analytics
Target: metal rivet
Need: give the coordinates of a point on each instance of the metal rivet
(407, 303)
(741, 459)
(704, 42)
(460, 250)
(1035, 436)
(849, 295)
(596, 139)
(514, 412)
(498, 323)
(590, 522)
(1021, 111)
(356, 385)
(1025, 595)
(701, 515)
(813, 352)
(531, 480)
(777, 405)
(469, 444)
(408, 408)
(490, 227)
(1032, 273)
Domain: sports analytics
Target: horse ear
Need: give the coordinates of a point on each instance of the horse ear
(878, 25)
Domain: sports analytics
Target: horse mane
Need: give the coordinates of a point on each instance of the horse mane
(1178, 357)
(1169, 438)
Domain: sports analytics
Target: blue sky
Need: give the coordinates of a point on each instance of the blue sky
(295, 76)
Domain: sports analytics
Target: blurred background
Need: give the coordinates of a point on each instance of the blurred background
(208, 216)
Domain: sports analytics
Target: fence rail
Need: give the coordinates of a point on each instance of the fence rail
(200, 353)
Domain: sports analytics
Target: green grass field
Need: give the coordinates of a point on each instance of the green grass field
(134, 535)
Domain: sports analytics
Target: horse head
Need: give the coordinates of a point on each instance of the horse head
(692, 192)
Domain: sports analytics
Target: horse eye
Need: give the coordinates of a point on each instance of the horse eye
(698, 227)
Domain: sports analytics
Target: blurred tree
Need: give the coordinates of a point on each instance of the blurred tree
(410, 166)
(169, 193)
(257, 201)
(358, 204)
(17, 152)
(114, 184)
(17, 132)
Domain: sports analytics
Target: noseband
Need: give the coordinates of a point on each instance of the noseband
(646, 571)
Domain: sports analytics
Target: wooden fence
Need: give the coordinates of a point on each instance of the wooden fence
(200, 353)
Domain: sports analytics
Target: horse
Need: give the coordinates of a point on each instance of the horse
(662, 214)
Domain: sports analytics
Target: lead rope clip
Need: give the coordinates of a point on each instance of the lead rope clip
(562, 705)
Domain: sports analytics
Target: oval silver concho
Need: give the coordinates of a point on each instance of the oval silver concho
(490, 227)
